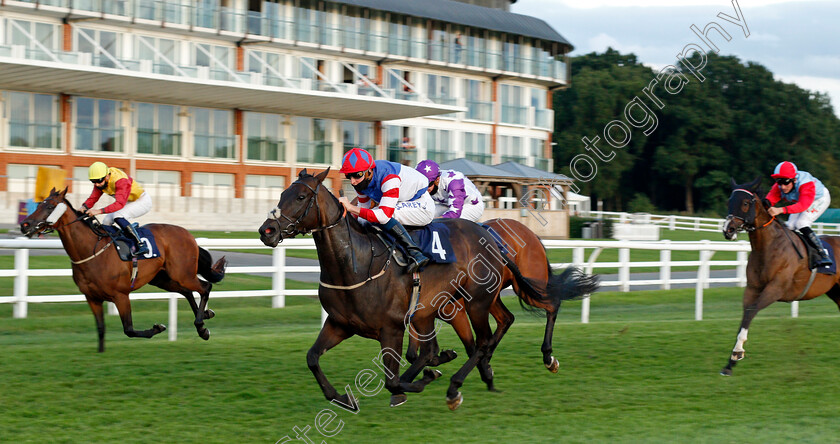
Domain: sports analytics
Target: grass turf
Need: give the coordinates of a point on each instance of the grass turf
(642, 371)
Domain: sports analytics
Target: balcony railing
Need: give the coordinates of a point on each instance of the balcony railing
(405, 156)
(543, 164)
(543, 118)
(310, 151)
(35, 135)
(518, 159)
(271, 150)
(161, 143)
(440, 156)
(477, 110)
(203, 16)
(514, 114)
(217, 147)
(99, 139)
(480, 158)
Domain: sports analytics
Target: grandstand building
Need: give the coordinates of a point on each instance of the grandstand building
(232, 98)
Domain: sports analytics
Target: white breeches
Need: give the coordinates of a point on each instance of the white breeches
(807, 217)
(131, 210)
(418, 212)
(469, 212)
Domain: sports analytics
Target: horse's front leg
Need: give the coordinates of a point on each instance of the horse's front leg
(98, 314)
(753, 303)
(390, 339)
(331, 335)
(124, 308)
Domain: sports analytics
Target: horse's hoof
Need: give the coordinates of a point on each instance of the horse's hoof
(456, 402)
(553, 366)
(159, 328)
(737, 356)
(726, 371)
(398, 399)
(204, 334)
(209, 314)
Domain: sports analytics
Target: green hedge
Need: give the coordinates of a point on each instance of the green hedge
(576, 226)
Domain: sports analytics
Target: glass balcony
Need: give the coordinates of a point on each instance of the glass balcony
(477, 110)
(437, 52)
(99, 139)
(218, 147)
(376, 42)
(418, 49)
(161, 143)
(543, 164)
(514, 114)
(353, 39)
(266, 149)
(480, 158)
(493, 60)
(34, 135)
(311, 151)
(440, 156)
(543, 118)
(518, 159)
(398, 46)
(405, 156)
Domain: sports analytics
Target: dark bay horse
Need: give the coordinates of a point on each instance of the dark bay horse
(365, 293)
(526, 250)
(102, 276)
(775, 271)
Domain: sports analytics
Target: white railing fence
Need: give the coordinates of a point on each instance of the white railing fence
(705, 250)
(674, 222)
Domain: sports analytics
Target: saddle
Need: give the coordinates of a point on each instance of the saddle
(814, 255)
(433, 240)
(126, 245)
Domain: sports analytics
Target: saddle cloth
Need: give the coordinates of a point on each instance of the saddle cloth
(126, 245)
(433, 239)
(814, 255)
(499, 241)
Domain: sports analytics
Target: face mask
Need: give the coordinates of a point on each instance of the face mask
(434, 190)
(362, 186)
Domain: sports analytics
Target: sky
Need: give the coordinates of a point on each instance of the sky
(794, 39)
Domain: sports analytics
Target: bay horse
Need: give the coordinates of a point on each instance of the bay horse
(777, 269)
(102, 276)
(526, 250)
(365, 294)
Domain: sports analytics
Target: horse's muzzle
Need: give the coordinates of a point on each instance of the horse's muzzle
(270, 233)
(29, 230)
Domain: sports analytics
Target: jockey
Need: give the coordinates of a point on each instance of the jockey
(454, 194)
(810, 199)
(131, 200)
(401, 193)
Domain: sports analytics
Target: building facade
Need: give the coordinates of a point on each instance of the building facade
(235, 97)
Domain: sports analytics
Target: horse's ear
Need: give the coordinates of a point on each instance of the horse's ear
(732, 182)
(755, 183)
(322, 175)
(53, 191)
(63, 192)
(302, 174)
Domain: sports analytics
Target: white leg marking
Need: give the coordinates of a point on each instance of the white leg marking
(739, 343)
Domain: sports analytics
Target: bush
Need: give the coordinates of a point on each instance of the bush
(641, 204)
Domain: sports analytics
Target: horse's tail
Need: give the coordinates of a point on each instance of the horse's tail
(571, 284)
(211, 273)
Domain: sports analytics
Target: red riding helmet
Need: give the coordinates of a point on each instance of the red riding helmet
(356, 160)
(784, 170)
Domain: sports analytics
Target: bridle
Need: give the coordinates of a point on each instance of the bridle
(747, 225)
(292, 228)
(51, 227)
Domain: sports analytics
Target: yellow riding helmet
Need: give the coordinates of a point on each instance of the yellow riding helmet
(97, 171)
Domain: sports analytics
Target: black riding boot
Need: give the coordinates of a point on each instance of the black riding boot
(812, 237)
(416, 256)
(129, 231)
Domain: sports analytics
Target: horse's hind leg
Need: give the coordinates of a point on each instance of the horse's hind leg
(550, 361)
(124, 308)
(164, 281)
(96, 308)
(504, 319)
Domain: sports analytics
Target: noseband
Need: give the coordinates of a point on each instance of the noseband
(292, 228)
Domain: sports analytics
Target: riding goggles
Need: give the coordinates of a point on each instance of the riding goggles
(356, 175)
(783, 181)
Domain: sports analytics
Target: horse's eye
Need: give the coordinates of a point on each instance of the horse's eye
(301, 197)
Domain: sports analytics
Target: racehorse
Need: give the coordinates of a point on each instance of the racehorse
(102, 276)
(777, 269)
(525, 249)
(365, 295)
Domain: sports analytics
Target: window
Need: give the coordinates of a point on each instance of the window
(512, 109)
(265, 138)
(157, 130)
(477, 147)
(213, 130)
(98, 125)
(24, 33)
(510, 148)
(357, 134)
(478, 105)
(537, 150)
(313, 145)
(102, 45)
(219, 59)
(439, 89)
(33, 120)
(439, 145)
(264, 187)
(163, 53)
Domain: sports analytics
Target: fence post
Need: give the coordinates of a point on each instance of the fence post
(173, 316)
(279, 280)
(21, 283)
(707, 267)
(577, 261)
(624, 269)
(701, 283)
(794, 309)
(741, 268)
(672, 222)
(665, 268)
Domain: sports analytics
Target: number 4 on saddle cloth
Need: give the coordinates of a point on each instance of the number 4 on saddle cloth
(126, 245)
(433, 240)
